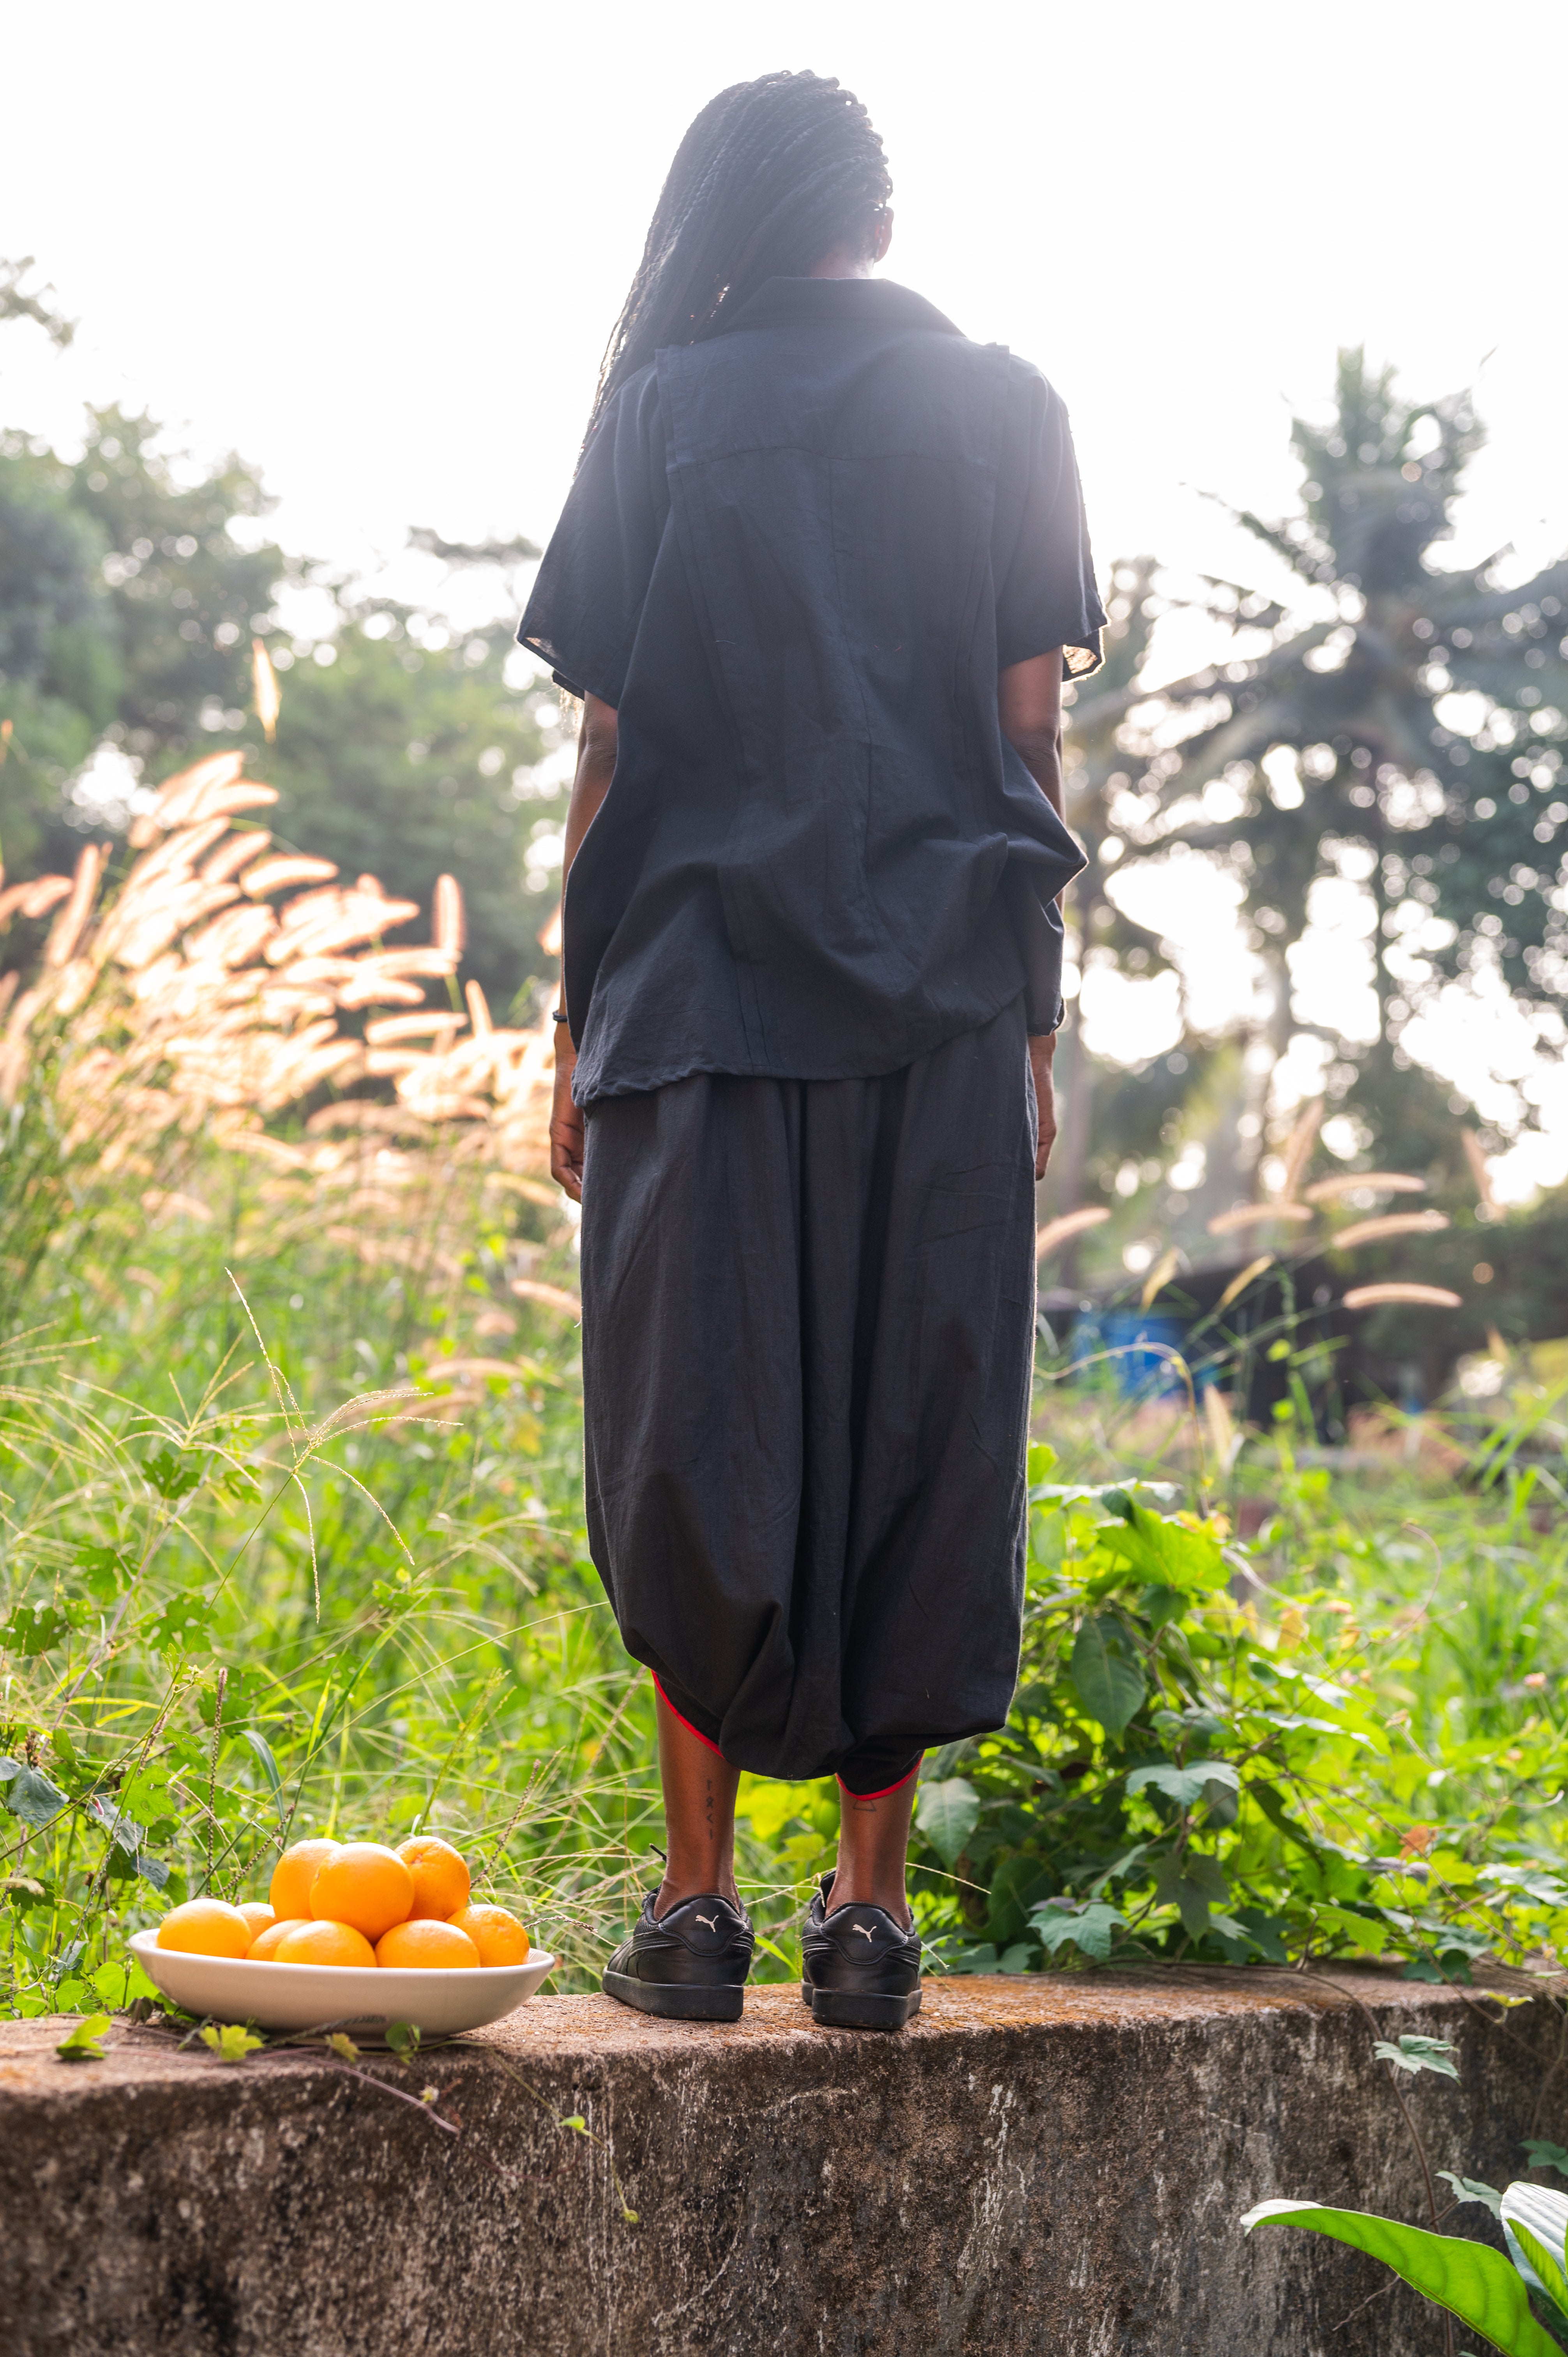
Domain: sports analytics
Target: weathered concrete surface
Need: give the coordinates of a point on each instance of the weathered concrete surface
(1045, 2165)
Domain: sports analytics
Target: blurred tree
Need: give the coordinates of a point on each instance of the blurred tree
(131, 587)
(1120, 1125)
(126, 610)
(409, 756)
(39, 305)
(1411, 737)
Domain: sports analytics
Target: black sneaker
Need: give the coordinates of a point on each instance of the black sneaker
(862, 1970)
(689, 1965)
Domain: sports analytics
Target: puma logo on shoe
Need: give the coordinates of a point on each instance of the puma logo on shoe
(711, 1921)
(862, 1930)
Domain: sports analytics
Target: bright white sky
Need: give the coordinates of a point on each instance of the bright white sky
(378, 248)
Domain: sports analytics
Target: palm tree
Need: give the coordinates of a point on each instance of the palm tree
(1411, 733)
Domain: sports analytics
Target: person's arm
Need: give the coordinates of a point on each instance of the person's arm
(1029, 701)
(595, 767)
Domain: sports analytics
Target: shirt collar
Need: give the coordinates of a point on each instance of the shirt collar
(854, 302)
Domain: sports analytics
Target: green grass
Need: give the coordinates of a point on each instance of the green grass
(236, 1607)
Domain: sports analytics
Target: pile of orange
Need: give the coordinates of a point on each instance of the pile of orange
(356, 1904)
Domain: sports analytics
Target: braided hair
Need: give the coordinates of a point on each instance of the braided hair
(771, 176)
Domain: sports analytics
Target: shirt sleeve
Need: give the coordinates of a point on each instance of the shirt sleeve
(583, 616)
(1046, 592)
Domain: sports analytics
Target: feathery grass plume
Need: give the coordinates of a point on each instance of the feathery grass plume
(1355, 1182)
(180, 1009)
(1392, 1223)
(264, 682)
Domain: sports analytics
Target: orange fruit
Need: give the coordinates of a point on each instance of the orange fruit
(366, 1885)
(258, 1915)
(499, 1936)
(263, 1948)
(440, 1876)
(427, 1945)
(293, 1876)
(205, 1927)
(323, 1942)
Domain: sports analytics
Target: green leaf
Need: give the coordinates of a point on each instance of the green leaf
(964, 1958)
(1266, 1932)
(1109, 1686)
(231, 2040)
(1535, 2221)
(1192, 1884)
(1019, 1883)
(35, 1628)
(85, 2042)
(1470, 2188)
(1364, 1931)
(105, 1571)
(174, 1472)
(947, 1815)
(29, 1794)
(1472, 2281)
(1270, 1799)
(263, 1752)
(1542, 2155)
(402, 2038)
(1090, 1929)
(182, 1623)
(1168, 1554)
(1414, 2054)
(1186, 1786)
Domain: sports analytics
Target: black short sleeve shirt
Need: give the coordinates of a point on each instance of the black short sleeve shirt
(794, 559)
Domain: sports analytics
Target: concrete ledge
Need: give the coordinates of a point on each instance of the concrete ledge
(1052, 2165)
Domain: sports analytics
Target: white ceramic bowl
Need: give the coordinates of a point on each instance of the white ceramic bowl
(299, 1997)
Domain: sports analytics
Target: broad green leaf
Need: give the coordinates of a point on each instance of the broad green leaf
(85, 2042)
(1109, 1686)
(967, 1959)
(106, 1570)
(181, 1625)
(1267, 1934)
(1166, 1553)
(947, 1815)
(35, 1628)
(402, 2038)
(1414, 2054)
(1186, 1786)
(1090, 1929)
(1020, 1882)
(1271, 1803)
(1542, 2155)
(1363, 1931)
(1192, 1884)
(174, 1472)
(30, 1794)
(1472, 2281)
(1535, 2221)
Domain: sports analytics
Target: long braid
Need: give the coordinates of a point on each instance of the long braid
(771, 175)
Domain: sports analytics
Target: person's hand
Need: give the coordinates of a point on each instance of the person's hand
(1041, 1059)
(565, 1121)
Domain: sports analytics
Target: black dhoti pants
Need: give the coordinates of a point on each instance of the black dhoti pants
(808, 1339)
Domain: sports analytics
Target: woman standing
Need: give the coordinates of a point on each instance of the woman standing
(817, 582)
